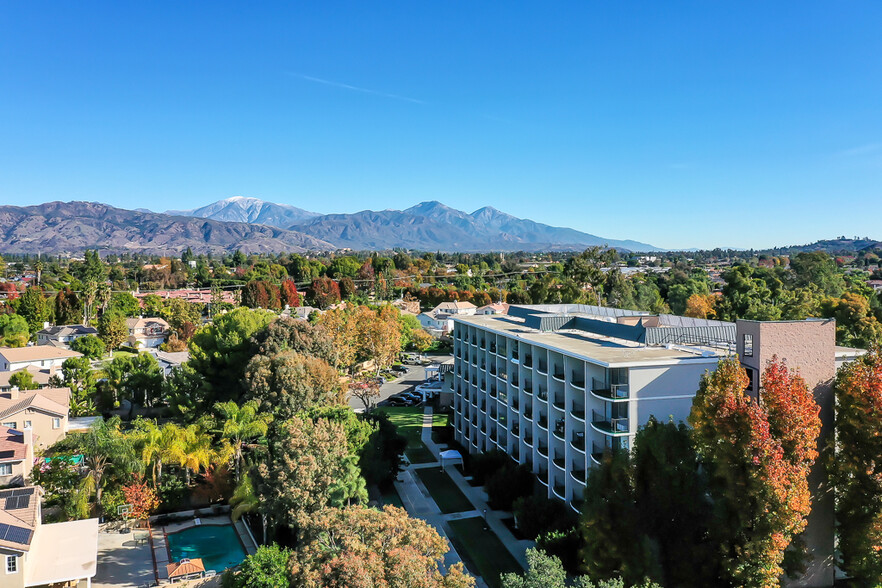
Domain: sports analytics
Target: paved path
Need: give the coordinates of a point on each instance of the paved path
(478, 498)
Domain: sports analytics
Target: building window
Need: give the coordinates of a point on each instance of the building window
(11, 564)
(748, 345)
(10, 425)
(27, 424)
(5, 469)
(56, 423)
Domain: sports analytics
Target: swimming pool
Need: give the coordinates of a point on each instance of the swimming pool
(217, 545)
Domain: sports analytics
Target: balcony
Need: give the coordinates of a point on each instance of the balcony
(576, 505)
(578, 473)
(515, 405)
(516, 429)
(493, 414)
(560, 491)
(578, 412)
(579, 441)
(503, 397)
(560, 463)
(484, 407)
(492, 369)
(542, 395)
(528, 361)
(609, 425)
(528, 414)
(578, 381)
(529, 440)
(528, 387)
(543, 450)
(502, 351)
(597, 453)
(543, 368)
(559, 430)
(609, 392)
(493, 348)
(559, 402)
(543, 421)
(493, 392)
(558, 374)
(543, 476)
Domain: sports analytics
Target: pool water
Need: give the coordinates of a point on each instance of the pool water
(217, 545)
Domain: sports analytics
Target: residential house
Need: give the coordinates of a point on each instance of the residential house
(147, 332)
(36, 555)
(170, 359)
(495, 308)
(45, 357)
(439, 320)
(44, 412)
(62, 335)
(16, 456)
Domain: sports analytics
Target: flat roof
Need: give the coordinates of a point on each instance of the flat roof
(62, 552)
(590, 347)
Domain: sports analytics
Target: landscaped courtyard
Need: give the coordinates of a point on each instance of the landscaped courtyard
(409, 421)
(481, 549)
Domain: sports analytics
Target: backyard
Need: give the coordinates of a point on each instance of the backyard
(444, 491)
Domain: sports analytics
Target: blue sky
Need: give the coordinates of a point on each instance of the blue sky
(694, 124)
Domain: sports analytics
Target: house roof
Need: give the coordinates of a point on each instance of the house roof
(19, 508)
(36, 353)
(41, 377)
(137, 323)
(52, 400)
(172, 357)
(62, 552)
(65, 330)
(500, 307)
(12, 445)
(455, 305)
(185, 567)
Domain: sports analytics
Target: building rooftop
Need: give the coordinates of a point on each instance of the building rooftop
(19, 509)
(63, 552)
(36, 353)
(65, 330)
(41, 377)
(12, 445)
(52, 400)
(591, 347)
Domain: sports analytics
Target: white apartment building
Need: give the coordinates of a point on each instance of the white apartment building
(556, 386)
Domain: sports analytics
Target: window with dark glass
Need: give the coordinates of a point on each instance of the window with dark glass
(748, 345)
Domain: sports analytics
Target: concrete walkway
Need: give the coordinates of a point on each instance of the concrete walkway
(478, 498)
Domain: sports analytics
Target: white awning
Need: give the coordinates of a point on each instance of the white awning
(451, 454)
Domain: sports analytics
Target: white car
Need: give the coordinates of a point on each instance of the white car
(429, 390)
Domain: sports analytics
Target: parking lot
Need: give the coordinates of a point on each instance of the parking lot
(416, 375)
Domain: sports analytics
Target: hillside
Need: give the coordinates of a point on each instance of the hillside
(59, 227)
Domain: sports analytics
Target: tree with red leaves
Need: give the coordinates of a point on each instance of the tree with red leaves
(143, 499)
(325, 292)
(261, 294)
(759, 455)
(857, 468)
(289, 293)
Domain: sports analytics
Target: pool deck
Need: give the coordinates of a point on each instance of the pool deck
(159, 541)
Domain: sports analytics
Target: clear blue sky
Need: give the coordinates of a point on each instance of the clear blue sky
(679, 124)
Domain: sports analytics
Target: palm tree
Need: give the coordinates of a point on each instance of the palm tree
(38, 268)
(102, 296)
(104, 445)
(244, 500)
(241, 425)
(196, 451)
(158, 445)
(90, 291)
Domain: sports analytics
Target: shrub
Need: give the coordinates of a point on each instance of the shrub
(508, 484)
(537, 515)
(483, 465)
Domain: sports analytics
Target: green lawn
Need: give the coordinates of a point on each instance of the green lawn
(391, 498)
(483, 552)
(409, 421)
(445, 493)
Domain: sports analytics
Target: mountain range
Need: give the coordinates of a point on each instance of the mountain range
(256, 226)
(427, 226)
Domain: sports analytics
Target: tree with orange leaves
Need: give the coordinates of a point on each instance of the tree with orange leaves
(759, 455)
(857, 468)
(143, 499)
(701, 306)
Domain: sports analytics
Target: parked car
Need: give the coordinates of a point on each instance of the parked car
(409, 396)
(394, 401)
(400, 369)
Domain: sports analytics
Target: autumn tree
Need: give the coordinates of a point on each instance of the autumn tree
(361, 334)
(288, 382)
(857, 468)
(700, 306)
(302, 473)
(759, 456)
(143, 499)
(360, 547)
(261, 294)
(325, 292)
(289, 294)
(368, 391)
